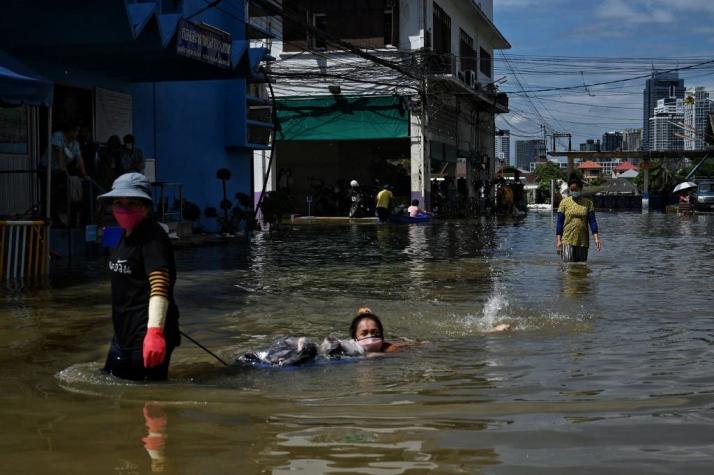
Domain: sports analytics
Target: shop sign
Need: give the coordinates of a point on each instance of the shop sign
(204, 43)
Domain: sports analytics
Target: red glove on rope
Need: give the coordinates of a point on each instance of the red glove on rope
(154, 347)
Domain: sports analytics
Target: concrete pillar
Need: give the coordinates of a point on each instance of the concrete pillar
(261, 159)
(420, 164)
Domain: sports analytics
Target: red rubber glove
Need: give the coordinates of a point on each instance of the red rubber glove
(154, 347)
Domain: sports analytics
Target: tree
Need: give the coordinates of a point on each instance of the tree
(545, 172)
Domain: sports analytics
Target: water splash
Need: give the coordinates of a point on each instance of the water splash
(494, 313)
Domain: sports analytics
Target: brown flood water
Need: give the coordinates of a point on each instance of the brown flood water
(608, 368)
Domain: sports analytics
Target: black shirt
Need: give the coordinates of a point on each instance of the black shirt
(147, 249)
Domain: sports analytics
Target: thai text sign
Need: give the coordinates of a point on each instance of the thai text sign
(204, 44)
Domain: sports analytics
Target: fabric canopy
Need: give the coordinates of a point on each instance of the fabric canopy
(340, 117)
(19, 85)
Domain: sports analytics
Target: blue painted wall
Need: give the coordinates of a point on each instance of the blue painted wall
(186, 133)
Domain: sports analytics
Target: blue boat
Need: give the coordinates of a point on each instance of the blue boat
(406, 219)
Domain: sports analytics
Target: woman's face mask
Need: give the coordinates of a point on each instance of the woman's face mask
(128, 217)
(575, 194)
(371, 343)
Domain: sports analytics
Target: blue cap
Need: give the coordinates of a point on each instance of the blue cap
(129, 185)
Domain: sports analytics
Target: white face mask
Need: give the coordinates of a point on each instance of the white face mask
(129, 146)
(371, 343)
(575, 194)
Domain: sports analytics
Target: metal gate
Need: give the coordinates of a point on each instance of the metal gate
(24, 249)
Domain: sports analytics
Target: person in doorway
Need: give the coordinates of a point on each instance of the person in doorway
(143, 274)
(575, 213)
(132, 157)
(384, 204)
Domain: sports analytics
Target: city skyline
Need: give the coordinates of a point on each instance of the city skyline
(574, 45)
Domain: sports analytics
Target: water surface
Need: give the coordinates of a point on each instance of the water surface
(608, 368)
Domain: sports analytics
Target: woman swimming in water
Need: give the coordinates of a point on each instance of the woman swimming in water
(367, 330)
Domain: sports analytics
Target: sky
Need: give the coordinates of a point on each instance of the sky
(634, 36)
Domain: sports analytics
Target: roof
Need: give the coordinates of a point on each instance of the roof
(19, 85)
(589, 165)
(628, 174)
(624, 166)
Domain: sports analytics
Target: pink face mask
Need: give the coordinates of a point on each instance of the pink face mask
(371, 343)
(128, 218)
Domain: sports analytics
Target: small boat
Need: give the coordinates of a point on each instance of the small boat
(406, 219)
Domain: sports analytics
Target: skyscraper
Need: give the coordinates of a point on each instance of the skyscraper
(666, 125)
(611, 141)
(659, 86)
(631, 140)
(528, 151)
(696, 118)
(590, 146)
(503, 146)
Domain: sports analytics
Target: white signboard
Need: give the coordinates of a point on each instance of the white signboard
(113, 114)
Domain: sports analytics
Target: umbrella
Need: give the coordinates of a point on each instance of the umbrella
(684, 186)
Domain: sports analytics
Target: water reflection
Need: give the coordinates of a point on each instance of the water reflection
(155, 440)
(576, 279)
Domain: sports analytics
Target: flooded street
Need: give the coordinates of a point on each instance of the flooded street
(608, 368)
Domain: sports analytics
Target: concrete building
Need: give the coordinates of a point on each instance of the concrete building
(667, 125)
(503, 147)
(590, 145)
(140, 68)
(659, 86)
(420, 98)
(611, 141)
(631, 140)
(529, 151)
(697, 107)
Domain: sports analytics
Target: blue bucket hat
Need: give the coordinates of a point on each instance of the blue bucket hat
(129, 185)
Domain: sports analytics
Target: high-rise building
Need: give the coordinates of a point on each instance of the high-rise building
(659, 86)
(503, 146)
(590, 145)
(611, 141)
(667, 125)
(528, 151)
(696, 118)
(631, 140)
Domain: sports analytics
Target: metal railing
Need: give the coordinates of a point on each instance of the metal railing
(24, 250)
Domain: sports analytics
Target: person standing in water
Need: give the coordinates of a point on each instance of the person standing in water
(143, 274)
(575, 213)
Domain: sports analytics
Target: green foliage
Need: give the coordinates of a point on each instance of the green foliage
(546, 172)
(661, 177)
(706, 169)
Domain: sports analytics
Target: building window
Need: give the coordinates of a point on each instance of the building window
(14, 130)
(319, 22)
(442, 42)
(442, 30)
(389, 39)
(485, 63)
(467, 52)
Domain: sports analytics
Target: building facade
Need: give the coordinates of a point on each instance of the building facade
(659, 86)
(529, 151)
(143, 68)
(386, 91)
(667, 125)
(697, 107)
(611, 141)
(631, 140)
(590, 145)
(503, 147)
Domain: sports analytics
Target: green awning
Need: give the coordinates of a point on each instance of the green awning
(342, 118)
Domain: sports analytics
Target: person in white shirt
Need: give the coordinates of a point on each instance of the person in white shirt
(414, 209)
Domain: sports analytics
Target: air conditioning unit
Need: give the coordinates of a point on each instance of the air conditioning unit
(470, 77)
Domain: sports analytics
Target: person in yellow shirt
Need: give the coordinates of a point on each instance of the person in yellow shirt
(575, 213)
(384, 204)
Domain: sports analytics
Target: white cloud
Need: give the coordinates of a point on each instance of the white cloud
(634, 12)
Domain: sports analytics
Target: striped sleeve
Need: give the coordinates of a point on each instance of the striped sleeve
(159, 281)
